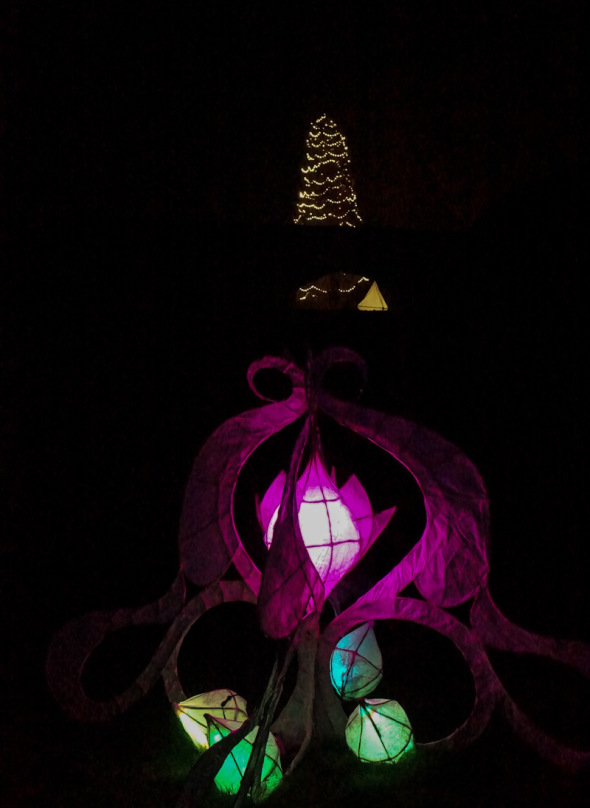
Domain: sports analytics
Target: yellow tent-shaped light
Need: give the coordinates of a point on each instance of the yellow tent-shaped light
(373, 300)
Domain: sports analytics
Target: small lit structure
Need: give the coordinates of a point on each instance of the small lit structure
(373, 300)
(379, 731)
(340, 291)
(356, 664)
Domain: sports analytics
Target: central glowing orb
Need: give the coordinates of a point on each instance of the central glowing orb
(329, 528)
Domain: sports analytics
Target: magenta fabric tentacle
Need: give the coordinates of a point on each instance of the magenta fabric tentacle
(496, 631)
(208, 539)
(72, 646)
(247, 569)
(449, 563)
(545, 745)
(214, 595)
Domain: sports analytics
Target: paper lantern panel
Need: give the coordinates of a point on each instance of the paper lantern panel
(229, 776)
(336, 525)
(379, 731)
(356, 664)
(225, 704)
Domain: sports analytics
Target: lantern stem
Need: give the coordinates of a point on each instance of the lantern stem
(203, 773)
(314, 436)
(311, 385)
(263, 719)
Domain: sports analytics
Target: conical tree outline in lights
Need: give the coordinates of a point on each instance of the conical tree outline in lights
(327, 196)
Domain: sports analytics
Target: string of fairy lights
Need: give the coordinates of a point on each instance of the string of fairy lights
(327, 196)
(309, 291)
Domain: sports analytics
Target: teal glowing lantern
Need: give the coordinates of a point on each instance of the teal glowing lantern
(224, 704)
(229, 776)
(356, 665)
(379, 731)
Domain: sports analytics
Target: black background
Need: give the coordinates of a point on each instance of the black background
(152, 174)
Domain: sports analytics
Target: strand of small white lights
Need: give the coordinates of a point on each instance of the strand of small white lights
(309, 290)
(323, 198)
(352, 288)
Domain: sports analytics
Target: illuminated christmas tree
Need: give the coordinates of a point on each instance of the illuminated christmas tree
(327, 196)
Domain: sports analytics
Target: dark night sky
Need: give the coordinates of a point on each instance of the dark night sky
(153, 165)
(154, 109)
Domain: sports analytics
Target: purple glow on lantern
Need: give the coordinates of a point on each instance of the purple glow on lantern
(336, 524)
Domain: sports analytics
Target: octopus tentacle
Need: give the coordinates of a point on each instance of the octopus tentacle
(496, 631)
(72, 646)
(208, 539)
(214, 595)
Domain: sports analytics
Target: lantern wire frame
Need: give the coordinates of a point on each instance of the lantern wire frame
(231, 774)
(337, 524)
(379, 731)
(223, 704)
(356, 664)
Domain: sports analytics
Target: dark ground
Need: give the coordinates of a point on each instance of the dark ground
(125, 346)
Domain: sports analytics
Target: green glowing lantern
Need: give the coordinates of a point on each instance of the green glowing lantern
(356, 665)
(230, 774)
(378, 731)
(225, 704)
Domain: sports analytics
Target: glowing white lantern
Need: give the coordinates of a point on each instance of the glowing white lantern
(336, 524)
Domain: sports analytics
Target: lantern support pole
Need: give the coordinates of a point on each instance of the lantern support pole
(201, 777)
(263, 719)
